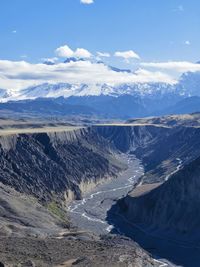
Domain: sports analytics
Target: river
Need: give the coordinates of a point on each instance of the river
(91, 212)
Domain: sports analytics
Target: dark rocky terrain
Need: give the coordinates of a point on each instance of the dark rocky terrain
(41, 171)
(171, 208)
(161, 213)
(160, 142)
(51, 165)
(72, 251)
(44, 167)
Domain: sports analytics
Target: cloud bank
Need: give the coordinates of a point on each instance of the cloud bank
(21, 74)
(17, 75)
(176, 66)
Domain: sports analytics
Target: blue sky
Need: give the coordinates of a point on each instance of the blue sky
(155, 29)
(158, 39)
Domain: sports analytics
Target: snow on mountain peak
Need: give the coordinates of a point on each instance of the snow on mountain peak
(66, 90)
(187, 86)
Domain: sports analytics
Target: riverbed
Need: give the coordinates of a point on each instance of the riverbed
(90, 213)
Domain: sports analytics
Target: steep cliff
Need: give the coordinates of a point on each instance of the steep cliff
(53, 165)
(160, 146)
(172, 208)
(127, 138)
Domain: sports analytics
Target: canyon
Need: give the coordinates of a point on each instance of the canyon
(67, 184)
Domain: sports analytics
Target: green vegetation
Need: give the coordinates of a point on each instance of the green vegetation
(56, 210)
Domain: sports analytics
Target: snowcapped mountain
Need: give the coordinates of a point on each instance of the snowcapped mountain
(187, 86)
(190, 83)
(120, 101)
(66, 90)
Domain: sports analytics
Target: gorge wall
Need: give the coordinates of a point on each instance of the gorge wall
(172, 209)
(54, 165)
(167, 200)
(60, 166)
(157, 145)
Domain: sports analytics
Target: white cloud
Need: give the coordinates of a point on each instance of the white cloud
(14, 31)
(87, 2)
(104, 54)
(18, 75)
(66, 52)
(127, 55)
(82, 53)
(187, 42)
(177, 66)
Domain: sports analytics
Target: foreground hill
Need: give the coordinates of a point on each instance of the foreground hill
(73, 250)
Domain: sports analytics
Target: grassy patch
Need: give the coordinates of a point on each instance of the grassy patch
(56, 210)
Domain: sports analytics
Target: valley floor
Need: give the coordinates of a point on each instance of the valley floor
(91, 212)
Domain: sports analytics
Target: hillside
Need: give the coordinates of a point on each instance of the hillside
(172, 209)
(43, 167)
(46, 165)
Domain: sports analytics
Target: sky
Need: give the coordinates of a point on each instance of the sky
(155, 38)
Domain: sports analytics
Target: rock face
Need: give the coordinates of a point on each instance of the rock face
(56, 165)
(173, 207)
(53, 165)
(158, 145)
(169, 208)
(129, 138)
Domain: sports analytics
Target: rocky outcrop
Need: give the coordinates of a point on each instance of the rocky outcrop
(162, 157)
(173, 208)
(128, 138)
(57, 165)
(52, 166)
(158, 146)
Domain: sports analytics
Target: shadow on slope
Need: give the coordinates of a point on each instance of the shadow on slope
(159, 247)
(166, 220)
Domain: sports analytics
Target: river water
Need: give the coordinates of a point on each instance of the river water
(91, 212)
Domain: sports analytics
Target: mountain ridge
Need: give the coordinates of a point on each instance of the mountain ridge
(108, 101)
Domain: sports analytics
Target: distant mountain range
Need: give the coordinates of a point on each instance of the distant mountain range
(104, 100)
(67, 90)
